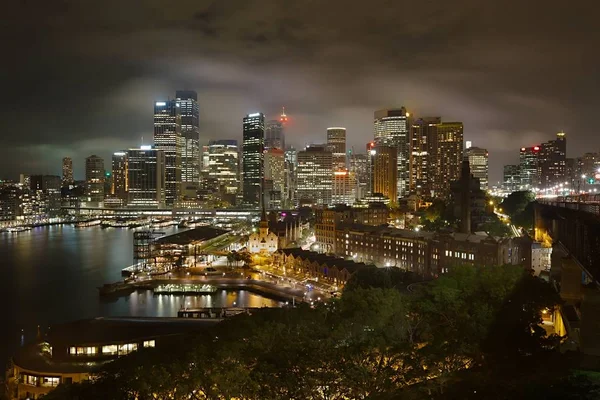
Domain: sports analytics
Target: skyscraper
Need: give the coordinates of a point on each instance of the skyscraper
(336, 141)
(449, 156)
(67, 171)
(253, 142)
(384, 159)
(478, 162)
(359, 167)
(223, 164)
(344, 187)
(291, 165)
(146, 177)
(392, 128)
(552, 161)
(167, 137)
(528, 167)
(94, 177)
(314, 177)
(274, 135)
(512, 178)
(120, 175)
(423, 154)
(190, 132)
(275, 176)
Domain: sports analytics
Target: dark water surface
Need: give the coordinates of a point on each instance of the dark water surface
(50, 275)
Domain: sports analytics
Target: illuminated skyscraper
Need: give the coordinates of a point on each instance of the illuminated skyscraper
(190, 132)
(146, 177)
(344, 187)
(478, 162)
(336, 141)
(423, 154)
(552, 161)
(359, 167)
(94, 177)
(274, 135)
(449, 156)
(512, 178)
(291, 165)
(392, 129)
(119, 175)
(528, 167)
(314, 177)
(384, 160)
(253, 143)
(67, 171)
(223, 164)
(167, 137)
(275, 176)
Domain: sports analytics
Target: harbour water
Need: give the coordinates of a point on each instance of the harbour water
(50, 275)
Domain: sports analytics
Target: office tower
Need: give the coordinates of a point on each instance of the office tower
(275, 176)
(336, 142)
(359, 167)
(94, 177)
(449, 156)
(314, 176)
(190, 132)
(589, 163)
(253, 158)
(512, 178)
(167, 137)
(344, 187)
(423, 154)
(392, 128)
(223, 165)
(478, 162)
(67, 171)
(528, 167)
(552, 161)
(119, 175)
(385, 173)
(464, 199)
(45, 195)
(274, 135)
(291, 164)
(146, 177)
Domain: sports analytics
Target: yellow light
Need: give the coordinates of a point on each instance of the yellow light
(491, 203)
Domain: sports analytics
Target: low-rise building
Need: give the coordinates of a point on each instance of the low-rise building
(314, 265)
(76, 351)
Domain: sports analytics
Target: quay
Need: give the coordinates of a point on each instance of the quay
(214, 312)
(184, 289)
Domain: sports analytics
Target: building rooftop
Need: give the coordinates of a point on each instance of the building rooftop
(350, 265)
(199, 234)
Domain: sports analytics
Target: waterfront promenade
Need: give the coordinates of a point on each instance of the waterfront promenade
(272, 286)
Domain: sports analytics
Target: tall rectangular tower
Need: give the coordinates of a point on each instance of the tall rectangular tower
(190, 131)
(167, 137)
(392, 128)
(146, 177)
(314, 177)
(253, 143)
(385, 172)
(94, 177)
(336, 141)
(449, 156)
(119, 175)
(67, 171)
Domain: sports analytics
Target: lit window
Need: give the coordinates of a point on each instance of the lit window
(50, 381)
(149, 343)
(127, 348)
(110, 349)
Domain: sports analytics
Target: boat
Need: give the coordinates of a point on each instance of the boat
(17, 229)
(191, 288)
(85, 224)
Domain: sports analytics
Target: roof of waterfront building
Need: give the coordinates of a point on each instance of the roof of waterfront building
(199, 234)
(97, 332)
(327, 259)
(413, 234)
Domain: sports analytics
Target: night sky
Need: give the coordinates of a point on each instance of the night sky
(80, 77)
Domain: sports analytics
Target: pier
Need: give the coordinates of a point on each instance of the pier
(189, 288)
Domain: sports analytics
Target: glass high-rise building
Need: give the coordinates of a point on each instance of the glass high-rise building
(120, 175)
(253, 143)
(146, 177)
(274, 135)
(94, 177)
(314, 176)
(529, 167)
(223, 164)
(423, 154)
(190, 132)
(336, 141)
(512, 178)
(167, 137)
(449, 156)
(67, 171)
(478, 162)
(384, 160)
(392, 129)
(291, 164)
(552, 161)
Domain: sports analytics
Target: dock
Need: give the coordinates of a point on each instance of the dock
(188, 288)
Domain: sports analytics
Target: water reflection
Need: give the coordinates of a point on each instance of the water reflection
(51, 274)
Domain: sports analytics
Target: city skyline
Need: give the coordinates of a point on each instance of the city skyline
(278, 61)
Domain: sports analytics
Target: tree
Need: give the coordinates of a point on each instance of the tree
(496, 228)
(516, 202)
(383, 278)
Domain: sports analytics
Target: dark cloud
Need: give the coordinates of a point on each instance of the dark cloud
(81, 76)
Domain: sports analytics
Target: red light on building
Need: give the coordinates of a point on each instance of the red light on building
(283, 118)
(536, 148)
